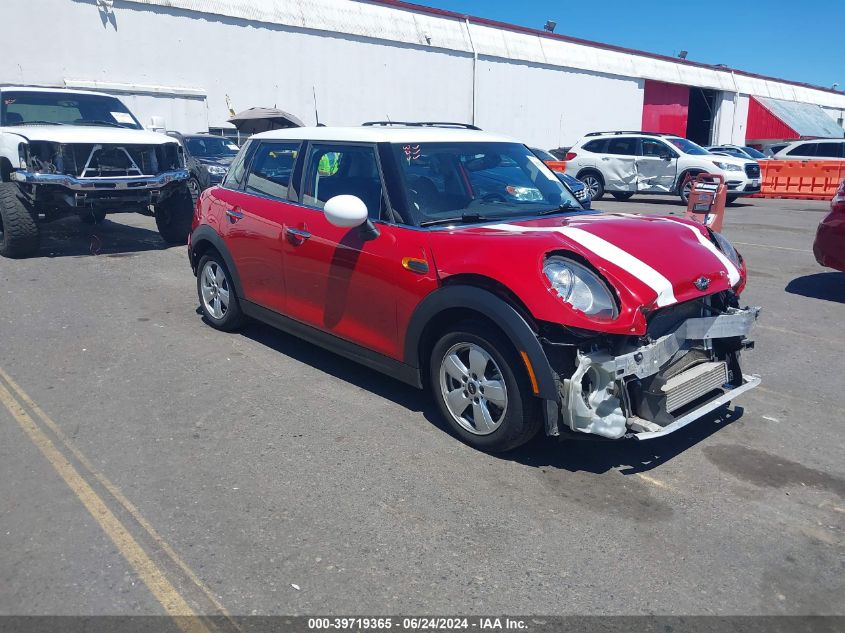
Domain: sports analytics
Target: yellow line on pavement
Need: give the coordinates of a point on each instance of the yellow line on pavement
(161, 588)
(780, 248)
(121, 498)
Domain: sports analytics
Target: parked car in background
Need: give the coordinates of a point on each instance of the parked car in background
(559, 168)
(520, 312)
(625, 163)
(208, 158)
(773, 148)
(739, 151)
(829, 245)
(819, 149)
(73, 152)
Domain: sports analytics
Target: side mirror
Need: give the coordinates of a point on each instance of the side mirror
(345, 211)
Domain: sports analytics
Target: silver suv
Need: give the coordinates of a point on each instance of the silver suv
(820, 149)
(625, 163)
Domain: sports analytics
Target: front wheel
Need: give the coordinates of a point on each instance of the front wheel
(218, 299)
(731, 199)
(686, 188)
(174, 215)
(19, 235)
(482, 389)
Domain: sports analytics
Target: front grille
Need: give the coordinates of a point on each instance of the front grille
(111, 160)
(752, 170)
(694, 383)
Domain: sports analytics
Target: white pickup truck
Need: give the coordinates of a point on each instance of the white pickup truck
(83, 153)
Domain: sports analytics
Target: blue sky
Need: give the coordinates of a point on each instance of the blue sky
(800, 41)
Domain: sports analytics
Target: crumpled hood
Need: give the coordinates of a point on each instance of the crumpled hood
(651, 261)
(87, 134)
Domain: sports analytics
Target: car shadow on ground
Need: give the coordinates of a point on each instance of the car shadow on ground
(829, 286)
(69, 237)
(587, 454)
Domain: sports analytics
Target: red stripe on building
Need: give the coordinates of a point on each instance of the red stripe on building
(763, 125)
(665, 108)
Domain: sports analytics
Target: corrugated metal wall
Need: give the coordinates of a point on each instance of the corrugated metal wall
(665, 108)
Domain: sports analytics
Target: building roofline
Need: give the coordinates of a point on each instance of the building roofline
(419, 8)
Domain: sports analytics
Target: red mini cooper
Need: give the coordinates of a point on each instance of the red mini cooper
(454, 259)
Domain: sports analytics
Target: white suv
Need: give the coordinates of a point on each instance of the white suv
(821, 149)
(625, 163)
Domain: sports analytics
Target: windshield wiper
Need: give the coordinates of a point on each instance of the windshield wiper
(35, 123)
(466, 217)
(97, 122)
(564, 207)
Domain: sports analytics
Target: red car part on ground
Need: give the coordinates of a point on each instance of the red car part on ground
(829, 246)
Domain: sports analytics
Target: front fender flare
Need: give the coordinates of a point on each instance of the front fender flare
(205, 233)
(492, 307)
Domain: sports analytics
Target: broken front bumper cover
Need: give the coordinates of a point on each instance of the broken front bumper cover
(118, 183)
(609, 395)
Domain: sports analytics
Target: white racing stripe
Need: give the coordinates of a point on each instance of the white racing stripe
(609, 252)
(733, 272)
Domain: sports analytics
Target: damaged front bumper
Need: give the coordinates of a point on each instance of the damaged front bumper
(82, 185)
(662, 386)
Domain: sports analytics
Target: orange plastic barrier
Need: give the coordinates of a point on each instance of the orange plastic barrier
(808, 179)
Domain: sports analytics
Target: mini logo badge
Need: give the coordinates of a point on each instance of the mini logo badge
(702, 283)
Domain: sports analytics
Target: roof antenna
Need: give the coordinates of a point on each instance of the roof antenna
(388, 119)
(316, 113)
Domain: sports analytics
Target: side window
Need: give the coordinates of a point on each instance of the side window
(596, 146)
(334, 169)
(235, 176)
(654, 148)
(829, 150)
(805, 149)
(622, 146)
(271, 169)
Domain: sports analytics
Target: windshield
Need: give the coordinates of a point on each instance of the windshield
(210, 146)
(478, 181)
(687, 146)
(753, 153)
(63, 108)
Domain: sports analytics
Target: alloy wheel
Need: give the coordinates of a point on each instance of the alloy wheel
(215, 290)
(473, 388)
(593, 185)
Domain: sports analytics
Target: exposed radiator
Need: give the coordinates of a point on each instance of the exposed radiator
(694, 383)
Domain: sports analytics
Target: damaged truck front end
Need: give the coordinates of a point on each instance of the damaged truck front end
(686, 366)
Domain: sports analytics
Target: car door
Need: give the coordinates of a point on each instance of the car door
(337, 280)
(618, 164)
(256, 209)
(657, 166)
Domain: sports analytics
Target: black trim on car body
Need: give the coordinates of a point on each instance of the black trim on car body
(204, 233)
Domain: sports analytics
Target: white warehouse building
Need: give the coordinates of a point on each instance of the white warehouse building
(186, 63)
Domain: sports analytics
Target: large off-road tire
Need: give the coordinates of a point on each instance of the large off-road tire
(482, 388)
(174, 215)
(217, 295)
(18, 228)
(594, 182)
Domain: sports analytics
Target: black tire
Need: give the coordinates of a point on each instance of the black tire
(685, 187)
(232, 317)
(622, 196)
(195, 189)
(519, 420)
(92, 217)
(594, 183)
(731, 199)
(174, 216)
(18, 228)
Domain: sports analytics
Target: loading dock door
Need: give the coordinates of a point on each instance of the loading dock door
(665, 107)
(702, 113)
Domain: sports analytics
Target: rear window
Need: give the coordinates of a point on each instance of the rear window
(596, 146)
(829, 150)
(622, 146)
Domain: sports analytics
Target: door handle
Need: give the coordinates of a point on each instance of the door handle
(234, 215)
(297, 236)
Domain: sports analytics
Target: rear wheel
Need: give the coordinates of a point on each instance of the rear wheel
(594, 184)
(174, 216)
(622, 196)
(18, 229)
(218, 299)
(482, 389)
(731, 199)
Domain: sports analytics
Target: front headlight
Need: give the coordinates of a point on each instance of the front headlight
(528, 194)
(727, 166)
(216, 170)
(727, 248)
(580, 287)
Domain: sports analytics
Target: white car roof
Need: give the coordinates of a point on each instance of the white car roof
(384, 134)
(62, 90)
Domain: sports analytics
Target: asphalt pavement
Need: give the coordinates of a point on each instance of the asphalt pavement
(153, 465)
